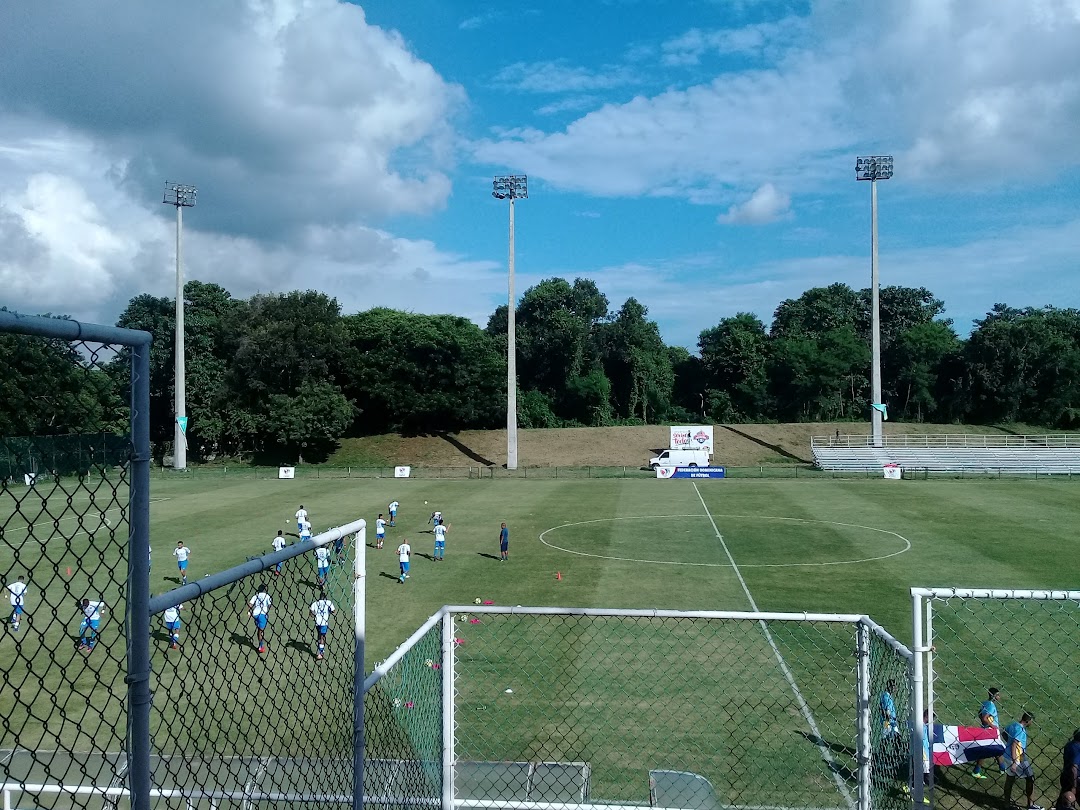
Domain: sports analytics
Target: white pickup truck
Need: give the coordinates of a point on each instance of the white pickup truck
(681, 458)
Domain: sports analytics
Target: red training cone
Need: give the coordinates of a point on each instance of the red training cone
(558, 576)
(69, 571)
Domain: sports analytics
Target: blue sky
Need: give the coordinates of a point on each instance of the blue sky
(698, 155)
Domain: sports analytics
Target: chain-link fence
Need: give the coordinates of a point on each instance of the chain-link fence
(1021, 643)
(253, 699)
(74, 499)
(495, 707)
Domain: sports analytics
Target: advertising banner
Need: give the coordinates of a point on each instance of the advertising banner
(689, 472)
(691, 437)
(402, 472)
(286, 472)
(893, 472)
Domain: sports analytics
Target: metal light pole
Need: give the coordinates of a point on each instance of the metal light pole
(181, 197)
(874, 168)
(511, 187)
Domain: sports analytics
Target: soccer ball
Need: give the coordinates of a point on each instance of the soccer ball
(428, 663)
(397, 703)
(476, 601)
(463, 617)
(425, 503)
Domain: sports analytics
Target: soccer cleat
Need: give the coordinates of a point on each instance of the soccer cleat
(319, 657)
(262, 649)
(978, 774)
(1035, 807)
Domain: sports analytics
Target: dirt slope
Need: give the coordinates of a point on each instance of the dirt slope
(737, 445)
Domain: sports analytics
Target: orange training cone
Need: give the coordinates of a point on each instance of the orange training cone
(69, 571)
(558, 576)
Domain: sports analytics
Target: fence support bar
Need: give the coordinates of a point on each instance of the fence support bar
(138, 618)
(916, 752)
(359, 626)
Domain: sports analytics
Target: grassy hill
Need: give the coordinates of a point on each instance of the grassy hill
(737, 445)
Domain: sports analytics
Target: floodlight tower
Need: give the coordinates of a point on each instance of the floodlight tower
(874, 168)
(181, 197)
(511, 187)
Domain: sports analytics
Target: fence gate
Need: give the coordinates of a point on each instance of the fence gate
(1020, 642)
(500, 708)
(74, 526)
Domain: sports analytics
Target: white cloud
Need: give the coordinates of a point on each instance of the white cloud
(560, 76)
(767, 204)
(479, 20)
(965, 94)
(335, 117)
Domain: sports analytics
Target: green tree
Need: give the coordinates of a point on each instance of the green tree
(307, 424)
(735, 360)
(919, 357)
(636, 362)
(422, 373)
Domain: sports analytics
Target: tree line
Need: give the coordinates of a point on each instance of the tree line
(284, 376)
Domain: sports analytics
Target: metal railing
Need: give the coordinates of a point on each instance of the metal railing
(958, 441)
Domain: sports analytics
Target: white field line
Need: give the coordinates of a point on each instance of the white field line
(808, 715)
(83, 516)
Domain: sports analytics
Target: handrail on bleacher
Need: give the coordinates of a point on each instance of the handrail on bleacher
(1049, 441)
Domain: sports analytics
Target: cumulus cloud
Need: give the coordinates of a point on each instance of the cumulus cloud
(965, 94)
(560, 76)
(280, 110)
(767, 204)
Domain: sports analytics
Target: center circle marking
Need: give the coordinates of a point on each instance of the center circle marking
(898, 536)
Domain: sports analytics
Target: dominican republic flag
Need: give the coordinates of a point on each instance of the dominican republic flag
(954, 745)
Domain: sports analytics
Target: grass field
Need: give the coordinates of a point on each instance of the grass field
(798, 545)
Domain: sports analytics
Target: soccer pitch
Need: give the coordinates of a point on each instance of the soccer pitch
(821, 546)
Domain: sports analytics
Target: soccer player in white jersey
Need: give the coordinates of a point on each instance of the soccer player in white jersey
(301, 516)
(182, 552)
(279, 545)
(259, 609)
(305, 531)
(321, 610)
(322, 560)
(392, 509)
(17, 592)
(440, 541)
(171, 617)
(380, 531)
(91, 623)
(435, 519)
(404, 552)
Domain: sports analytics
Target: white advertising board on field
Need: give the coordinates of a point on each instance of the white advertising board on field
(691, 437)
(893, 472)
(286, 472)
(402, 472)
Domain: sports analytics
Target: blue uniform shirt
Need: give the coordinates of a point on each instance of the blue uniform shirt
(1072, 754)
(989, 708)
(1015, 732)
(888, 711)
(504, 535)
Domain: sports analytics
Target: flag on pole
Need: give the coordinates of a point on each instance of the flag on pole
(883, 408)
(183, 424)
(954, 745)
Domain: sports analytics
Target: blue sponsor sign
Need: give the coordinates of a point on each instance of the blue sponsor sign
(689, 472)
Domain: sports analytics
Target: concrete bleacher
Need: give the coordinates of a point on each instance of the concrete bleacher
(1050, 454)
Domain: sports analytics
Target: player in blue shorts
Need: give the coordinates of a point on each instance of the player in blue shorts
(91, 623)
(320, 610)
(504, 544)
(392, 509)
(1017, 762)
(17, 592)
(301, 518)
(404, 551)
(171, 617)
(440, 541)
(259, 610)
(279, 545)
(322, 562)
(182, 552)
(380, 531)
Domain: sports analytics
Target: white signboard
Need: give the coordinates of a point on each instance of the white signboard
(402, 472)
(29, 478)
(893, 472)
(286, 472)
(691, 437)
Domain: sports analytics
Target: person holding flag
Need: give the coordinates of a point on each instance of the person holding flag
(988, 718)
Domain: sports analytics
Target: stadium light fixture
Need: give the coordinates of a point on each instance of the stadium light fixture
(874, 168)
(511, 187)
(181, 196)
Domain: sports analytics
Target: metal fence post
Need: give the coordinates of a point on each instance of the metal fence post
(915, 754)
(138, 677)
(862, 707)
(448, 710)
(359, 623)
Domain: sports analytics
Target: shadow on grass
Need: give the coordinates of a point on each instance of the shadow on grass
(489, 556)
(453, 441)
(774, 447)
(388, 576)
(242, 641)
(841, 770)
(300, 646)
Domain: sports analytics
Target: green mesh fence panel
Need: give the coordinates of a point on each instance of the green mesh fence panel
(890, 726)
(253, 729)
(403, 715)
(65, 448)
